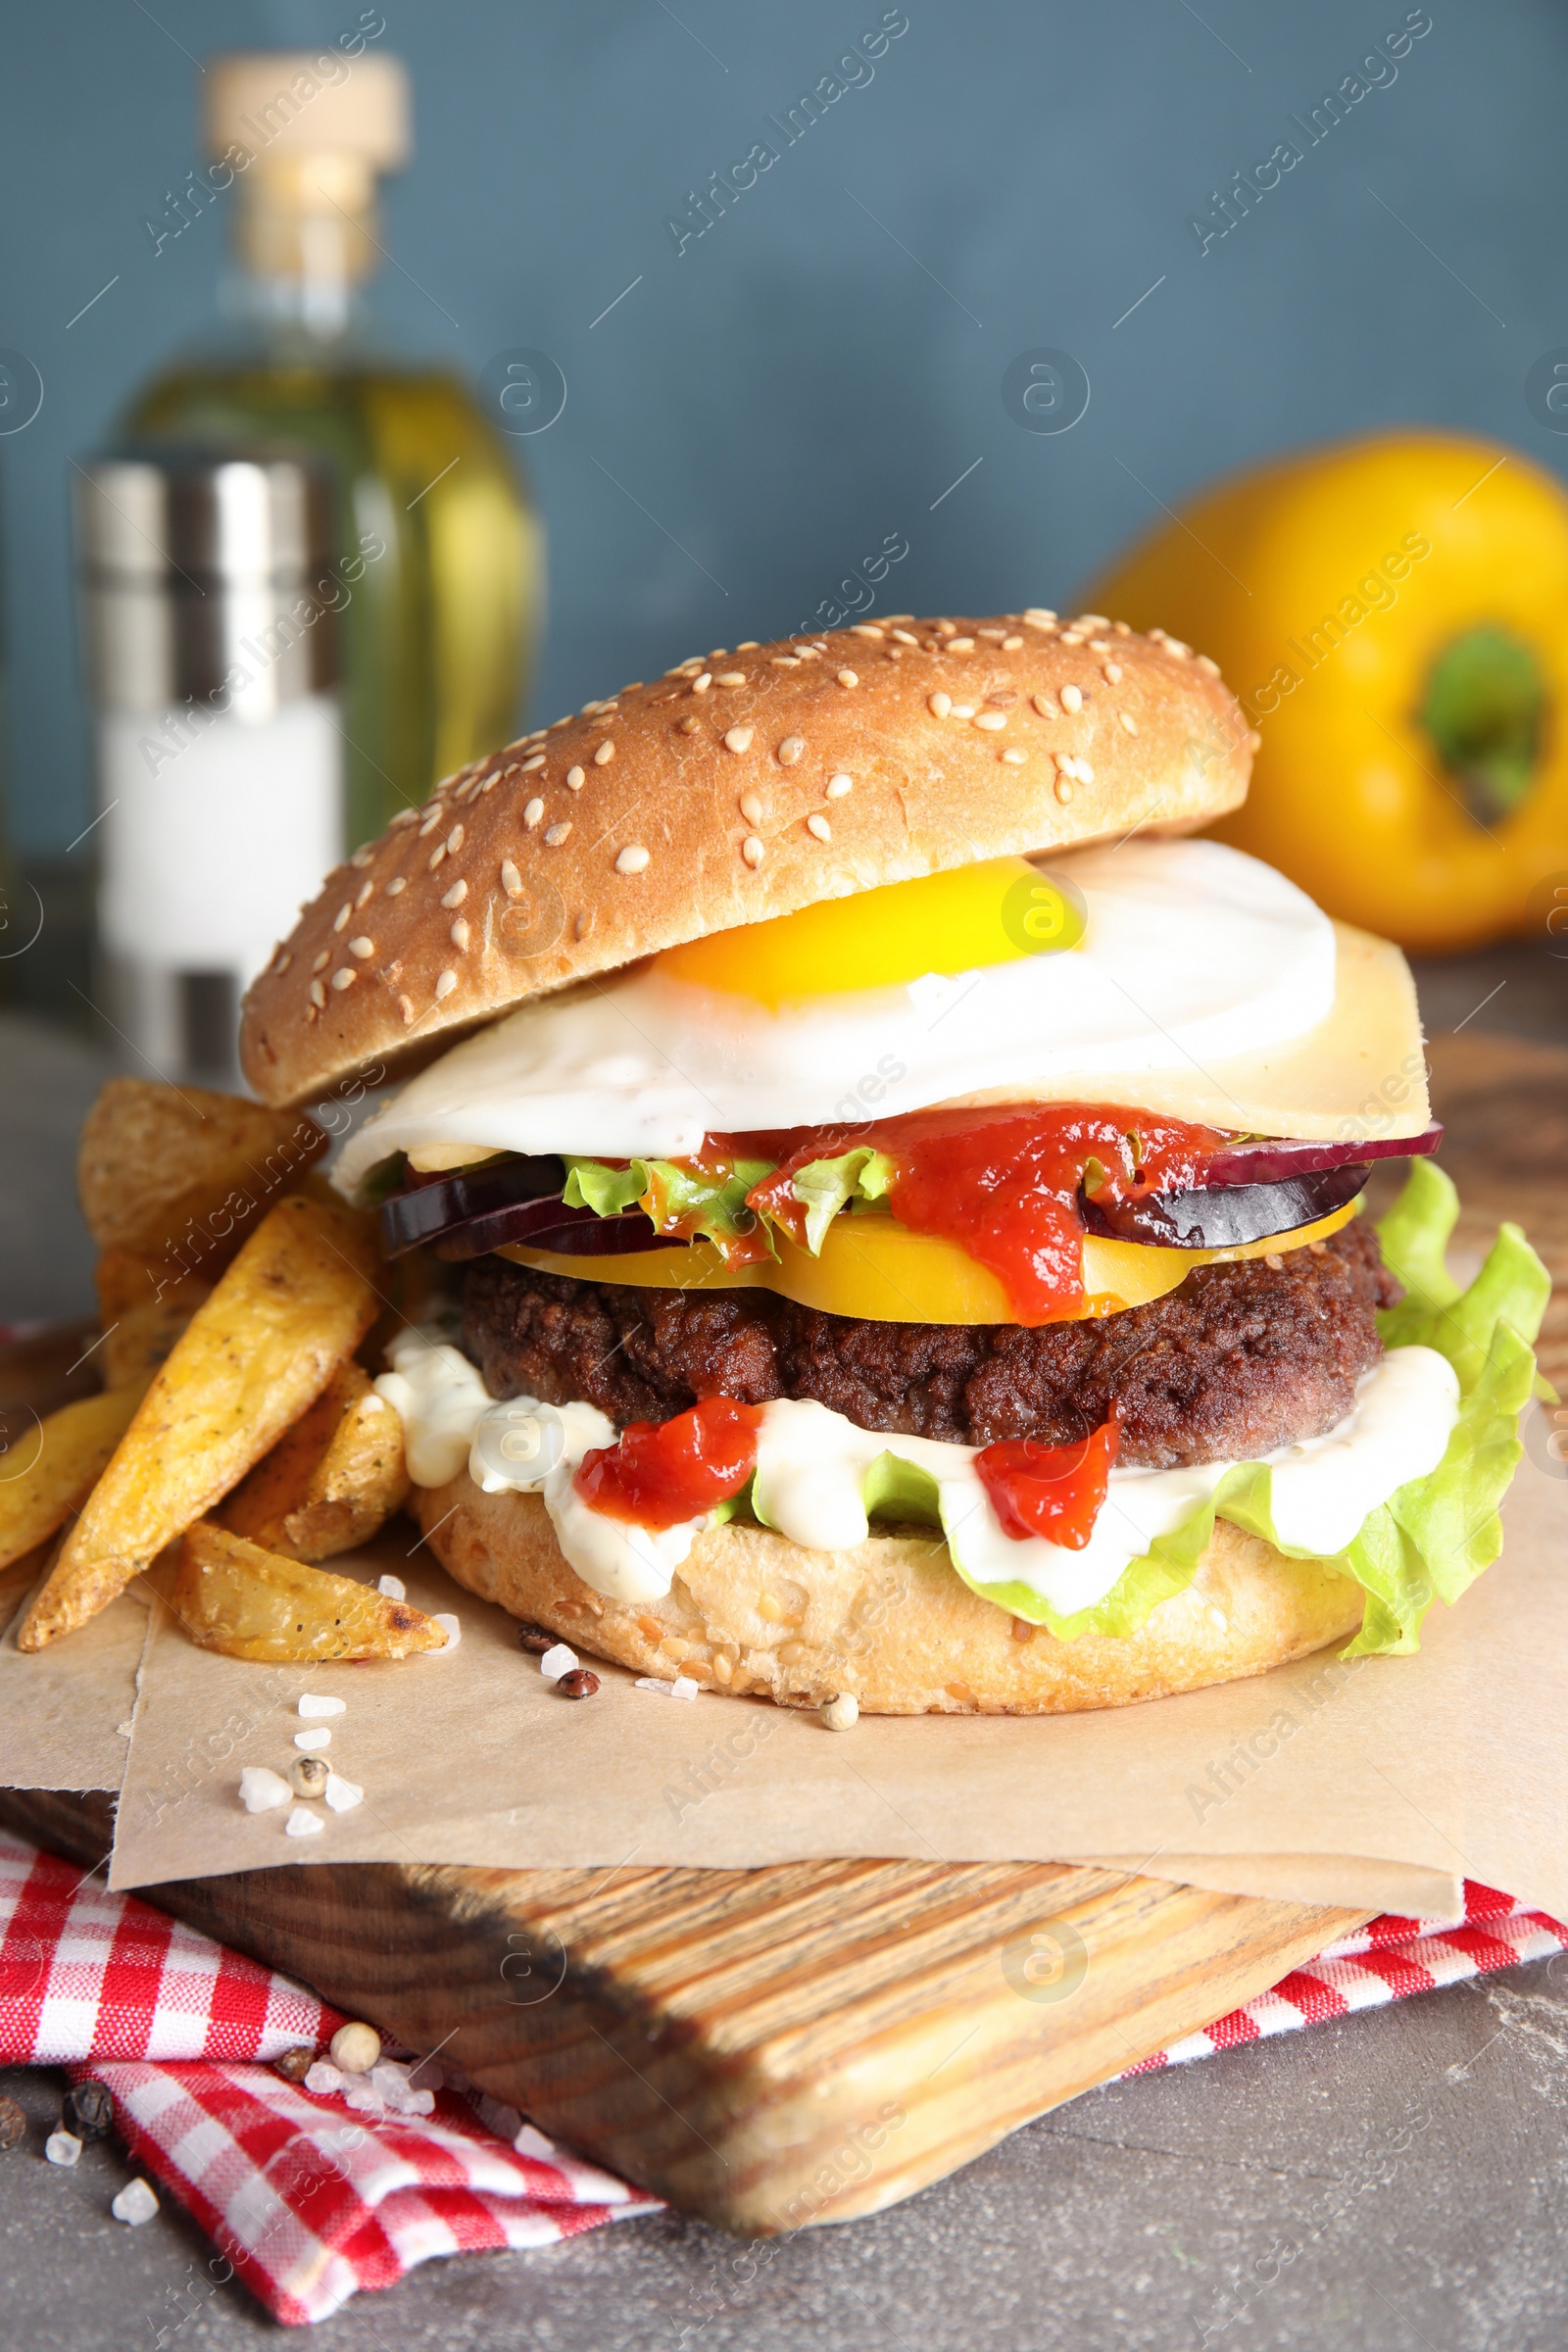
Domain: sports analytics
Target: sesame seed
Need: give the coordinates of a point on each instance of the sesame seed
(784, 661)
(285, 959)
(362, 856)
(817, 824)
(583, 923)
(752, 850)
(867, 629)
(576, 778)
(960, 645)
(398, 884)
(322, 961)
(1086, 774)
(362, 946)
(1015, 758)
(790, 749)
(838, 786)
(1010, 645)
(632, 859)
(1121, 628)
(367, 891)
(902, 637)
(455, 840)
(751, 807)
(1129, 722)
(437, 856)
(511, 879)
(716, 652)
(1072, 698)
(532, 814)
(739, 739)
(1063, 789)
(1072, 637)
(555, 835)
(1113, 673)
(1174, 645)
(1040, 616)
(702, 684)
(405, 1007)
(604, 756)
(436, 816)
(459, 934)
(939, 704)
(994, 635)
(455, 895)
(1004, 699)
(688, 725)
(342, 915)
(1099, 645)
(732, 677)
(529, 766)
(1044, 704)
(446, 982)
(963, 710)
(344, 977)
(747, 644)
(849, 678)
(1093, 621)
(991, 720)
(318, 994)
(405, 816)
(1210, 670)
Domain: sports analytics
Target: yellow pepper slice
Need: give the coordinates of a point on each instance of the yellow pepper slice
(876, 1269)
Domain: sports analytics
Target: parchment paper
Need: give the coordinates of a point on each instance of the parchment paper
(1379, 1782)
(65, 1715)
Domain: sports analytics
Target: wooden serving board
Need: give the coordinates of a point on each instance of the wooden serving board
(764, 2048)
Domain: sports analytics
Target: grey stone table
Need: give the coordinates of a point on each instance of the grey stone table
(1393, 2181)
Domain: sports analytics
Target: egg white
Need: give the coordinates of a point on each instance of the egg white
(1194, 954)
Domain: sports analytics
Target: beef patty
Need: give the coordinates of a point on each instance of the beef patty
(1242, 1358)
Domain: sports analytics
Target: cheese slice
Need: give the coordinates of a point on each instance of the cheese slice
(1359, 1076)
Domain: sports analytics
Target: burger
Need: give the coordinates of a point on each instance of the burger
(881, 1198)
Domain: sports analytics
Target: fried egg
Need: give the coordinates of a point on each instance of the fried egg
(1183, 955)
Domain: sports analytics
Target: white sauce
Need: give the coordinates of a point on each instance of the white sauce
(811, 1465)
(1194, 954)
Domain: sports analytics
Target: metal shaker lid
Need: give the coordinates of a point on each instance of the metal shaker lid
(200, 515)
(208, 578)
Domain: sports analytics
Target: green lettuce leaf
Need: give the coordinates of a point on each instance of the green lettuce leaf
(825, 1186)
(673, 1190)
(1432, 1538)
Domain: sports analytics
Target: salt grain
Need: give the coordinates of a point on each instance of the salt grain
(313, 1704)
(261, 1789)
(301, 1824)
(556, 1663)
(311, 1743)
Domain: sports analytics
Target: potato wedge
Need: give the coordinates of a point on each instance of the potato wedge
(330, 1481)
(233, 1595)
(290, 1309)
(57, 1463)
(181, 1177)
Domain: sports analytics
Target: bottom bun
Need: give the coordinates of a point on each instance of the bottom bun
(889, 1619)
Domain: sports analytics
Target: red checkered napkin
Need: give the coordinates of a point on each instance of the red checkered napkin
(1389, 1958)
(307, 2198)
(311, 2200)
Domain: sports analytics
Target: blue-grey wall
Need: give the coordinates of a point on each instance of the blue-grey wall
(812, 373)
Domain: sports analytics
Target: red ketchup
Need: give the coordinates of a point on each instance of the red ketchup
(660, 1472)
(1003, 1184)
(1051, 1491)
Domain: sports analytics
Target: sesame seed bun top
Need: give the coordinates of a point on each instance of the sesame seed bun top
(738, 786)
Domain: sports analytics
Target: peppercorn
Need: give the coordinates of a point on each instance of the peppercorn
(309, 1774)
(536, 1639)
(294, 2064)
(578, 1684)
(13, 2126)
(88, 2109)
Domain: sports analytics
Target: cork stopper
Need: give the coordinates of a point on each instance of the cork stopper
(307, 133)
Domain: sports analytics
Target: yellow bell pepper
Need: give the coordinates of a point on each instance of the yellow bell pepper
(1392, 616)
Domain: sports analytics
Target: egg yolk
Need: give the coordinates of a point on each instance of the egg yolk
(997, 911)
